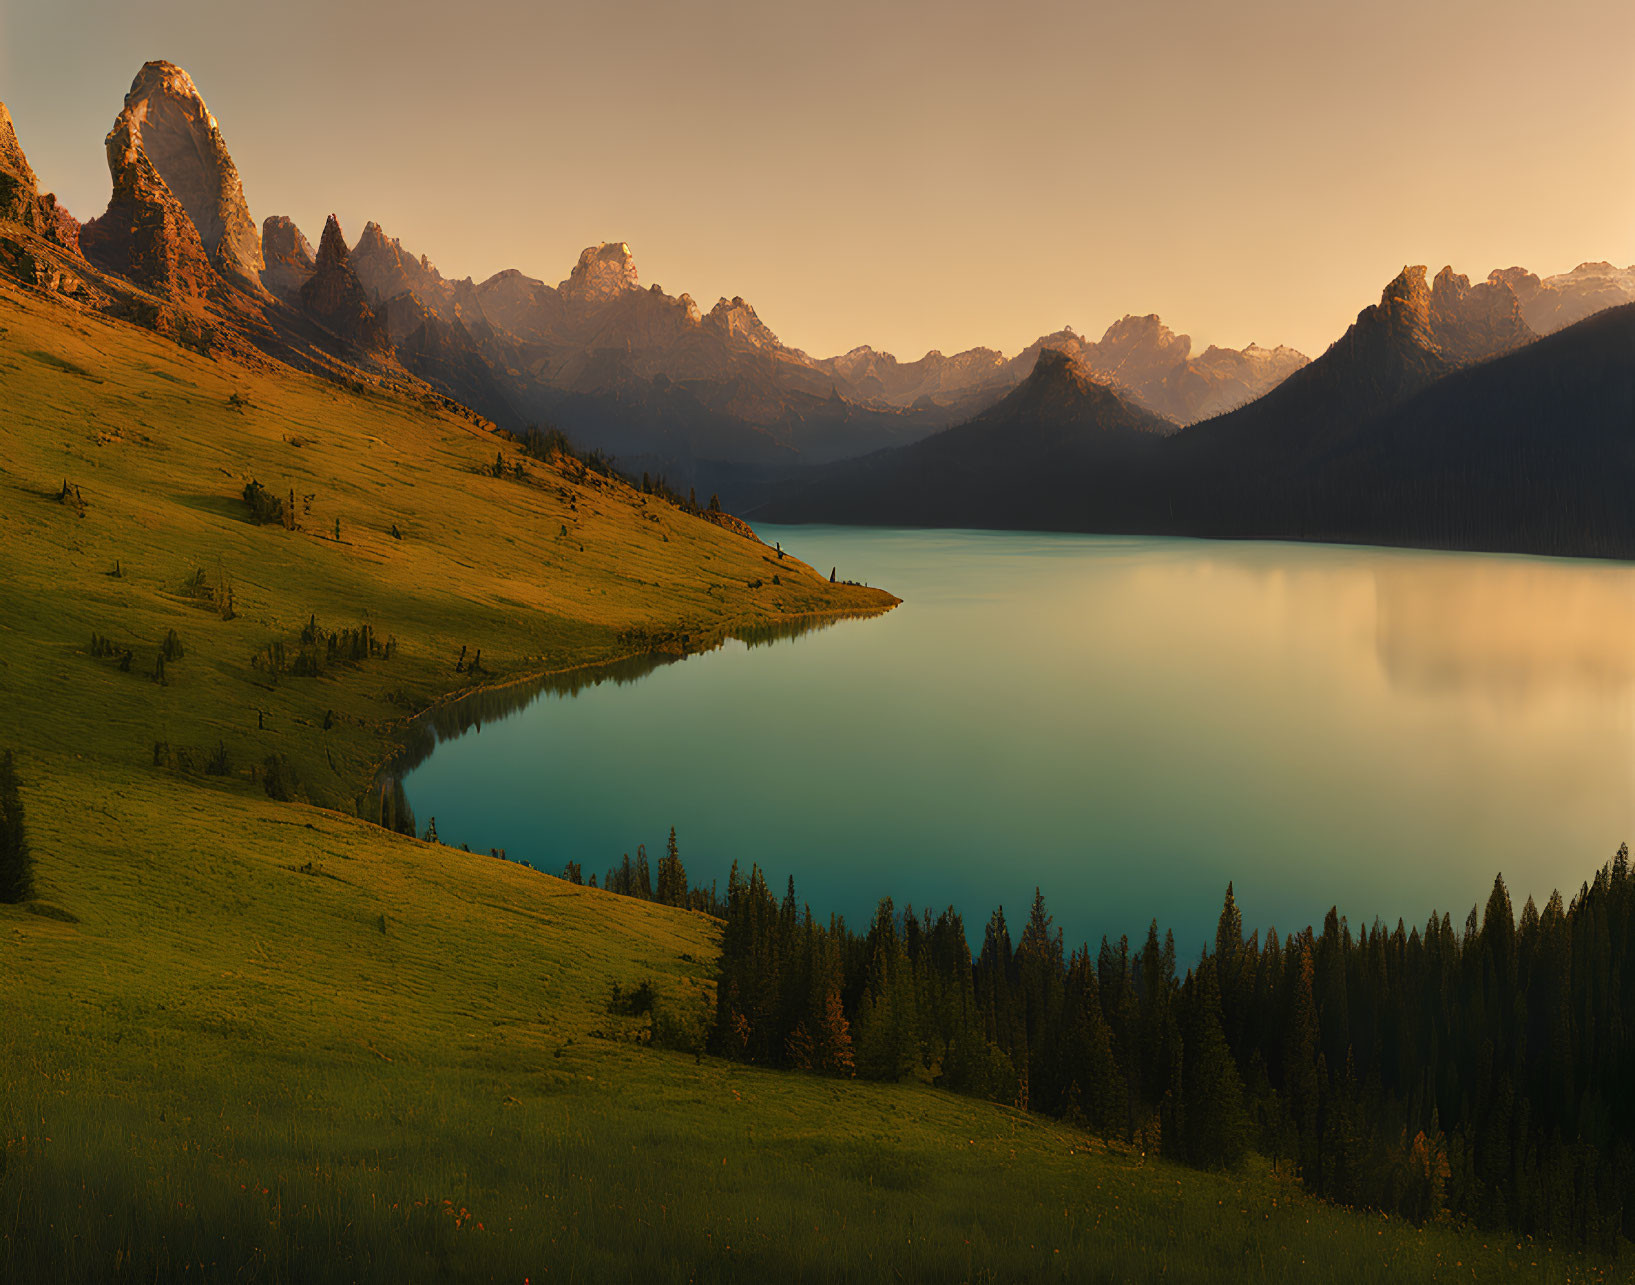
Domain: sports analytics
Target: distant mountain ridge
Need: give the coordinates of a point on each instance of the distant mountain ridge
(1437, 420)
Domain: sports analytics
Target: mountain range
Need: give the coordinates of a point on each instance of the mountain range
(1128, 431)
(1439, 419)
(625, 367)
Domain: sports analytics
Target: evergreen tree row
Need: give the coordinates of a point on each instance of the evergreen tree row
(1483, 1073)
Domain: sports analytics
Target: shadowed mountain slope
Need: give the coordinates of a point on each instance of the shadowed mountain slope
(1433, 422)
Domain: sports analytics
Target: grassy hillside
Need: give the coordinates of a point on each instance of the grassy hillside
(248, 1040)
(541, 573)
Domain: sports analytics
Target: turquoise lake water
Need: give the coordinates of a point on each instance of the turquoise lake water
(1125, 723)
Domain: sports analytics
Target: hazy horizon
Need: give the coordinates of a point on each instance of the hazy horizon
(913, 179)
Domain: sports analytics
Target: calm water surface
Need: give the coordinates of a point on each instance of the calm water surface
(1126, 723)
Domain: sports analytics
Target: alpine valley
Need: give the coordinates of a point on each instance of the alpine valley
(304, 980)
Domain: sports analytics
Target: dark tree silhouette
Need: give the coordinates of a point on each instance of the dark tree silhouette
(16, 861)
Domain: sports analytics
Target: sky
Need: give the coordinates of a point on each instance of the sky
(908, 175)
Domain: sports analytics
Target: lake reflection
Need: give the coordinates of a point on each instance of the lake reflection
(1127, 723)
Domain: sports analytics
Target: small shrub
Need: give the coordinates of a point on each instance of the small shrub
(632, 1003)
(172, 650)
(265, 507)
(683, 1022)
(278, 778)
(218, 764)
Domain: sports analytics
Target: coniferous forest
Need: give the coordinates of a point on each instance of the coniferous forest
(1479, 1071)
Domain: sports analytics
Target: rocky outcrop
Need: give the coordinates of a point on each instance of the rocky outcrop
(334, 297)
(1138, 352)
(166, 118)
(736, 321)
(145, 235)
(387, 270)
(61, 226)
(19, 190)
(288, 257)
(20, 198)
(1473, 323)
(603, 273)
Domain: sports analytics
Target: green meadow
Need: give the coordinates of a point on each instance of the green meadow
(253, 1040)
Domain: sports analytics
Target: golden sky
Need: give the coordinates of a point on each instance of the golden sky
(910, 176)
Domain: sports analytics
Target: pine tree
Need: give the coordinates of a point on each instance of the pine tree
(672, 883)
(16, 862)
(832, 1042)
(1300, 1079)
(1215, 1126)
(886, 1033)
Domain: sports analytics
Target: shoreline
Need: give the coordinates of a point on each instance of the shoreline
(400, 734)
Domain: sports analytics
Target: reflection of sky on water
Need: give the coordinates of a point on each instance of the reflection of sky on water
(1127, 723)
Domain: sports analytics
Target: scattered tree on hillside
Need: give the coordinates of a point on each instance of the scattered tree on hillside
(266, 507)
(16, 861)
(278, 778)
(672, 883)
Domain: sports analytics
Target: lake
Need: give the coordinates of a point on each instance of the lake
(1126, 723)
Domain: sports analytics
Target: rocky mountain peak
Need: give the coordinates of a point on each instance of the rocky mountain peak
(20, 199)
(165, 118)
(288, 256)
(1405, 303)
(387, 269)
(1472, 323)
(146, 234)
(737, 319)
(335, 298)
(14, 166)
(604, 272)
(332, 252)
(1135, 350)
